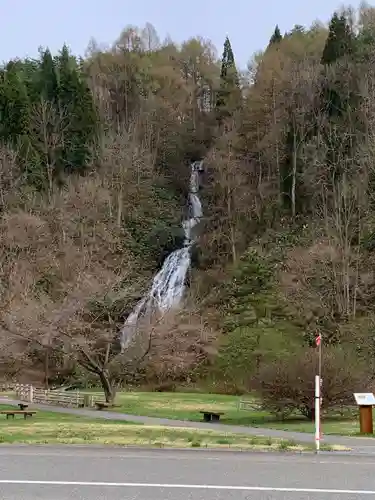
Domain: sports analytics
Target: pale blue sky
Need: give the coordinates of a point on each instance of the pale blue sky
(27, 24)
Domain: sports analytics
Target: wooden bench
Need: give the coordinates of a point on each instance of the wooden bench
(100, 405)
(211, 416)
(12, 413)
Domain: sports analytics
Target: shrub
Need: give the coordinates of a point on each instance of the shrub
(287, 385)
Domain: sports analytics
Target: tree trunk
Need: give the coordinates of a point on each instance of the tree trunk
(233, 244)
(46, 368)
(109, 390)
(231, 228)
(309, 413)
(294, 176)
(278, 172)
(119, 207)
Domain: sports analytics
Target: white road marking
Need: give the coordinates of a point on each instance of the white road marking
(188, 486)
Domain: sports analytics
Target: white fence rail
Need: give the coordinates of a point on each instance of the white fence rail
(76, 399)
(24, 392)
(58, 398)
(7, 387)
(248, 405)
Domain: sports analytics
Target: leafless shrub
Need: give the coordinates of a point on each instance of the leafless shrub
(288, 384)
(182, 341)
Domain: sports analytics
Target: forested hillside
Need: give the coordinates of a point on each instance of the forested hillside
(94, 168)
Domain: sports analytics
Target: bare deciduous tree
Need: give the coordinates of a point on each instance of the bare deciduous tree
(48, 127)
(288, 385)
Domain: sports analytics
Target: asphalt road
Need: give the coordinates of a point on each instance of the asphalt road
(86, 473)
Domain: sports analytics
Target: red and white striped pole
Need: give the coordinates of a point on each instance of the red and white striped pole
(317, 413)
(318, 378)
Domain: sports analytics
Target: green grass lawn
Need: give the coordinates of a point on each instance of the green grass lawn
(55, 428)
(186, 406)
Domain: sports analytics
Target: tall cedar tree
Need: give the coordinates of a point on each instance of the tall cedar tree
(14, 105)
(340, 44)
(340, 40)
(276, 36)
(76, 102)
(27, 87)
(48, 87)
(45, 134)
(229, 94)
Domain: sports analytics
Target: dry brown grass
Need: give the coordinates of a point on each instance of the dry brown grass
(125, 434)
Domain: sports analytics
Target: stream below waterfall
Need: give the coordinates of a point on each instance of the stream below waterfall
(168, 285)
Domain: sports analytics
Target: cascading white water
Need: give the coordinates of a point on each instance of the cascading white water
(168, 286)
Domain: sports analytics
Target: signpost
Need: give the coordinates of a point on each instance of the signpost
(318, 387)
(365, 401)
(317, 413)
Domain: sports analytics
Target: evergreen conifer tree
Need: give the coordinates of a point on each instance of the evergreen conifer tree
(340, 40)
(276, 36)
(340, 43)
(14, 105)
(76, 102)
(229, 94)
(31, 74)
(48, 80)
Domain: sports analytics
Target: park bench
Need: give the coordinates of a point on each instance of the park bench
(12, 413)
(211, 416)
(100, 405)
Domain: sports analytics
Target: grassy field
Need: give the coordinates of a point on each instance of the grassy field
(186, 406)
(54, 428)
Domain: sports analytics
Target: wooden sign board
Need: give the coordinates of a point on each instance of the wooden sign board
(364, 398)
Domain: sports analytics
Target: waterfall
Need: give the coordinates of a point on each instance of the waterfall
(168, 285)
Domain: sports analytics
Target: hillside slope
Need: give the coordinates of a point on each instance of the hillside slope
(94, 171)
